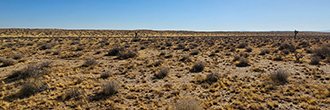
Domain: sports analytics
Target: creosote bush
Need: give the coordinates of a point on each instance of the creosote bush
(243, 62)
(72, 93)
(105, 75)
(110, 88)
(17, 55)
(188, 103)
(248, 49)
(264, 51)
(194, 52)
(31, 71)
(32, 86)
(115, 51)
(323, 52)
(198, 66)
(279, 76)
(163, 71)
(89, 62)
(242, 45)
(213, 77)
(127, 54)
(315, 60)
(7, 62)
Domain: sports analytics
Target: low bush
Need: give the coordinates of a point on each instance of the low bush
(89, 62)
(105, 75)
(162, 73)
(279, 76)
(243, 62)
(315, 60)
(198, 66)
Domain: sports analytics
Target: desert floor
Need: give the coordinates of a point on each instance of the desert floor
(184, 73)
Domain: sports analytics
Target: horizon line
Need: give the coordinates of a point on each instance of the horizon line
(163, 29)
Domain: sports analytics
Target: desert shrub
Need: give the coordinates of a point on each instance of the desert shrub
(180, 46)
(169, 56)
(48, 51)
(115, 51)
(127, 54)
(17, 55)
(217, 51)
(105, 75)
(242, 45)
(287, 46)
(323, 52)
(188, 103)
(110, 88)
(78, 54)
(315, 60)
(304, 43)
(89, 62)
(29, 71)
(69, 94)
(162, 73)
(213, 77)
(194, 52)
(7, 62)
(236, 57)
(79, 48)
(186, 49)
(212, 54)
(198, 66)
(185, 58)
(264, 51)
(168, 44)
(285, 51)
(31, 87)
(278, 58)
(248, 49)
(243, 62)
(309, 50)
(232, 49)
(244, 54)
(45, 46)
(162, 53)
(98, 51)
(279, 76)
(144, 47)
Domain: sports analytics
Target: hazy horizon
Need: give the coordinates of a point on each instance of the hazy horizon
(186, 15)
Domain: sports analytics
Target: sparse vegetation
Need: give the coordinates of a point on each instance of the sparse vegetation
(279, 76)
(243, 62)
(163, 71)
(89, 62)
(151, 72)
(105, 75)
(7, 62)
(198, 66)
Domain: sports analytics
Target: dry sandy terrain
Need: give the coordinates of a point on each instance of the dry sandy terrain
(183, 70)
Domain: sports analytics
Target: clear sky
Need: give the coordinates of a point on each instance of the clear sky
(198, 15)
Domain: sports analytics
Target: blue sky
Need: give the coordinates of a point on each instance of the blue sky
(198, 15)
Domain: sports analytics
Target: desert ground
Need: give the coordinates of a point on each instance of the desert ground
(163, 70)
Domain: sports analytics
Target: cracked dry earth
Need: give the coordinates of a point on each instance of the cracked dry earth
(68, 82)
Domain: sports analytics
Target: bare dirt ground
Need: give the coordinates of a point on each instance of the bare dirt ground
(58, 69)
